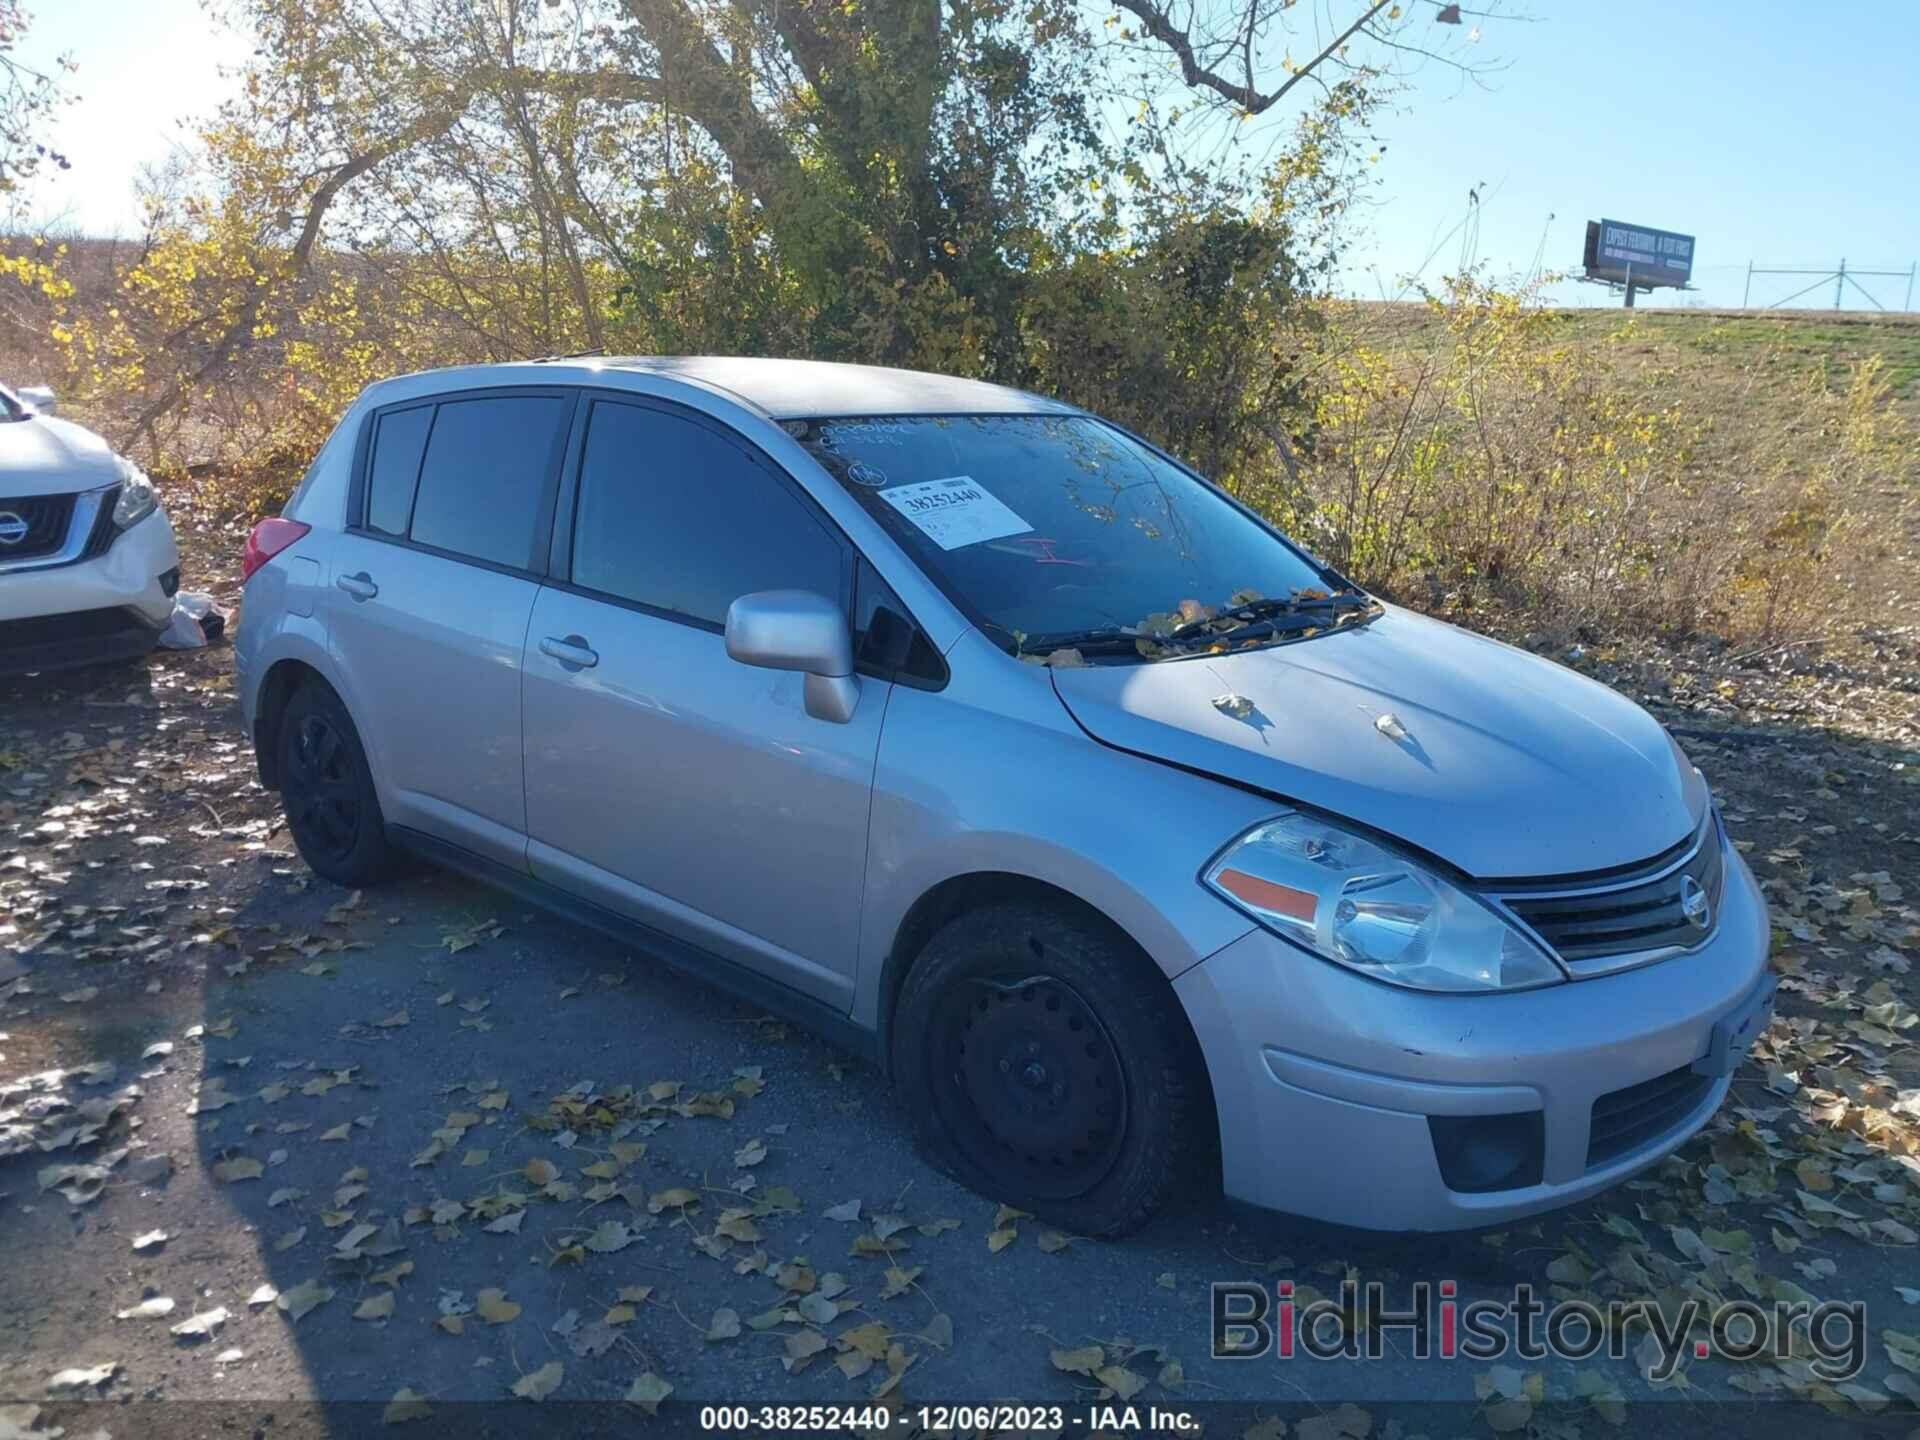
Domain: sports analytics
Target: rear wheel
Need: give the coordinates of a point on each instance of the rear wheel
(1044, 1061)
(327, 790)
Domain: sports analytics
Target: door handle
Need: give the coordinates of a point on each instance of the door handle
(571, 651)
(360, 587)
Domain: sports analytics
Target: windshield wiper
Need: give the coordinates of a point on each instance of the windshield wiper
(1107, 640)
(1310, 612)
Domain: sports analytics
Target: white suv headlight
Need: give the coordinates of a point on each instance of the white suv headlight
(1358, 904)
(137, 498)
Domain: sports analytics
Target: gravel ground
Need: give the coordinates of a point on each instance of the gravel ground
(500, 1151)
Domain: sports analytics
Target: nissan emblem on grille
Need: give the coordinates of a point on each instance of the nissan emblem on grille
(13, 529)
(1694, 904)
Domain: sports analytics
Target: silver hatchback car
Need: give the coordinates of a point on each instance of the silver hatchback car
(997, 744)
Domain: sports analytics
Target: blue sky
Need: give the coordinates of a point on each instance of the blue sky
(1783, 133)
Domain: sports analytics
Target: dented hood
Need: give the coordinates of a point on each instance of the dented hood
(1508, 765)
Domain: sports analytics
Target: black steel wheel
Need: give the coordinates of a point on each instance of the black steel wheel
(327, 790)
(1044, 1061)
(1034, 1084)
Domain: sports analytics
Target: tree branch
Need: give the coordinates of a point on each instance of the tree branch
(1246, 96)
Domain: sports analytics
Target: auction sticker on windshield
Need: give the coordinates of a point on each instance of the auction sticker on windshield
(955, 511)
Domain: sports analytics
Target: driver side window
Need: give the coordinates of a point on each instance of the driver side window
(674, 516)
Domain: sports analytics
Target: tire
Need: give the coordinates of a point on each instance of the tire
(326, 789)
(1042, 1060)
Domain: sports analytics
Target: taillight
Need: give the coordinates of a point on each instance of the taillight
(268, 539)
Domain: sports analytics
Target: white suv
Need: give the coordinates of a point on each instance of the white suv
(88, 567)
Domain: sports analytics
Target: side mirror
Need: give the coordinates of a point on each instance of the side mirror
(38, 396)
(798, 630)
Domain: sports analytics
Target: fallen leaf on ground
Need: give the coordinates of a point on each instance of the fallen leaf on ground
(647, 1391)
(406, 1405)
(149, 1309)
(150, 1239)
(378, 1307)
(538, 1384)
(199, 1327)
(494, 1307)
(79, 1378)
(304, 1297)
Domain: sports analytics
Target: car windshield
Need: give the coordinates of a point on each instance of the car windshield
(1061, 530)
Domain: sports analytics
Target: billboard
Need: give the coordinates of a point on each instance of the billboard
(1655, 257)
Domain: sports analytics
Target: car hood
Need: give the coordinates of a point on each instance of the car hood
(1507, 765)
(44, 455)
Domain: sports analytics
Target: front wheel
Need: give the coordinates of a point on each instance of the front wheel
(1042, 1060)
(327, 790)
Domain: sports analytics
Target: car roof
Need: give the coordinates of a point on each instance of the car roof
(790, 389)
(777, 389)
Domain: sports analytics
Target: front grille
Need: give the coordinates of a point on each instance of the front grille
(1624, 917)
(46, 517)
(1626, 1119)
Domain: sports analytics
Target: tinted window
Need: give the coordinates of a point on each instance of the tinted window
(485, 476)
(397, 447)
(676, 516)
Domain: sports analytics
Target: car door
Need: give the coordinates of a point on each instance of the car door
(664, 779)
(431, 587)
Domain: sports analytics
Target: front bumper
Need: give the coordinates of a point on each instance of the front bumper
(111, 607)
(1325, 1081)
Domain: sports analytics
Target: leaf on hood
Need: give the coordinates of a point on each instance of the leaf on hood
(539, 1384)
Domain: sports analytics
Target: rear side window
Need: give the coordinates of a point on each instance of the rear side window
(484, 478)
(398, 444)
(675, 516)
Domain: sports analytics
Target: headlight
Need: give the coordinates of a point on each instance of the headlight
(137, 499)
(1358, 904)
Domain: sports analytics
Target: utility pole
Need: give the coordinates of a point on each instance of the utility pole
(1747, 294)
(1839, 282)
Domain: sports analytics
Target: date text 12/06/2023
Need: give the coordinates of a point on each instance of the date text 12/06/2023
(947, 1419)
